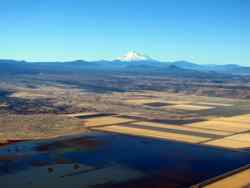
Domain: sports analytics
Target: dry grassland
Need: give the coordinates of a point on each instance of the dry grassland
(182, 128)
(28, 95)
(190, 107)
(42, 126)
(143, 101)
(153, 134)
(239, 180)
(108, 120)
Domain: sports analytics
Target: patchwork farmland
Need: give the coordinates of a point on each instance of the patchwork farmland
(231, 133)
(220, 132)
(133, 139)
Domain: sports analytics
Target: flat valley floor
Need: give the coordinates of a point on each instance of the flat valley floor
(120, 139)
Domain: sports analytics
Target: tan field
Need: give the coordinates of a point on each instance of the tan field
(178, 102)
(182, 128)
(216, 127)
(238, 180)
(239, 141)
(245, 137)
(190, 107)
(241, 119)
(82, 114)
(143, 101)
(153, 134)
(221, 126)
(103, 121)
(214, 104)
(229, 143)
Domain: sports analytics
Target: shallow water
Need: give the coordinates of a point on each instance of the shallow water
(107, 160)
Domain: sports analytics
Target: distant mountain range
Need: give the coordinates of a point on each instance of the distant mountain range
(131, 62)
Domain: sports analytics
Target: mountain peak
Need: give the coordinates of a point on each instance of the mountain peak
(134, 56)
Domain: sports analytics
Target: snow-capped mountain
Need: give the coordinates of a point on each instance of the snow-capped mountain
(134, 56)
(131, 62)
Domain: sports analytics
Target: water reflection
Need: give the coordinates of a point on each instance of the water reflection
(106, 160)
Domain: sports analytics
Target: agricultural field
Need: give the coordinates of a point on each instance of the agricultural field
(77, 111)
(86, 134)
(155, 114)
(217, 133)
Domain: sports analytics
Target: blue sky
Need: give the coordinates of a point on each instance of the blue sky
(202, 31)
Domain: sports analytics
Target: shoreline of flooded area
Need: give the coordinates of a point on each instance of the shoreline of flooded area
(107, 160)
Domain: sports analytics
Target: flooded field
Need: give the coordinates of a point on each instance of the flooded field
(107, 160)
(115, 140)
